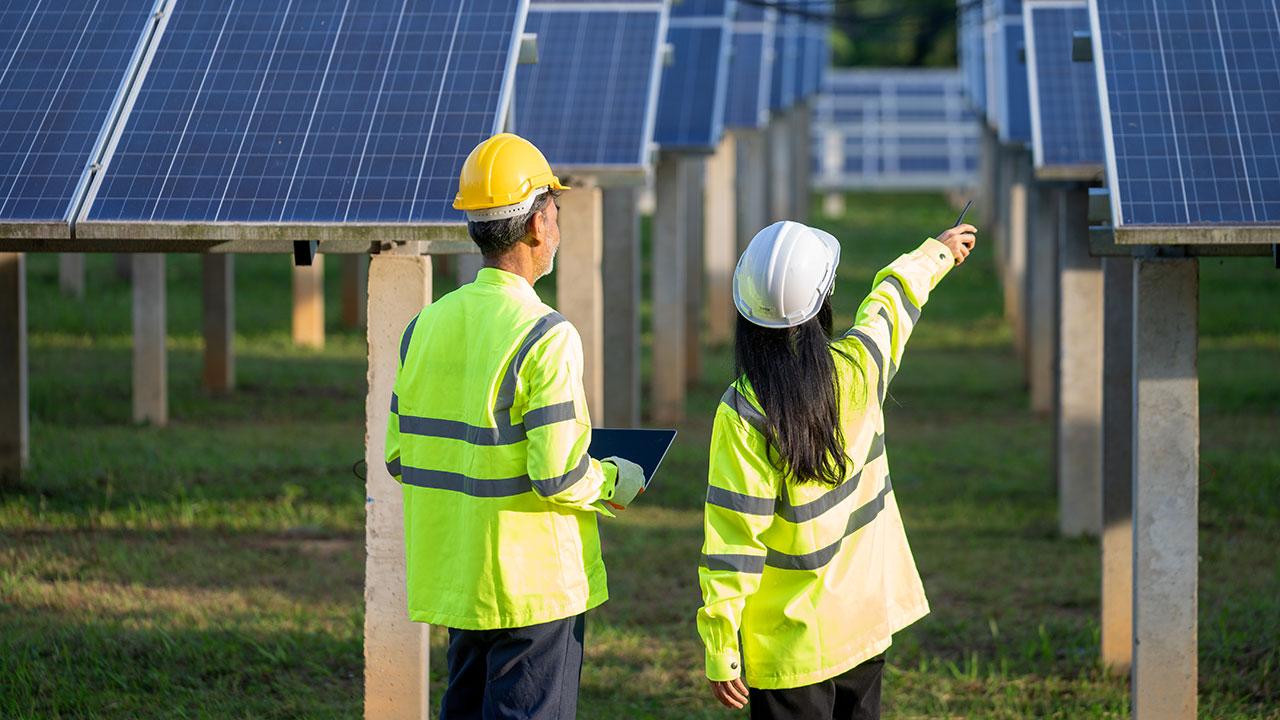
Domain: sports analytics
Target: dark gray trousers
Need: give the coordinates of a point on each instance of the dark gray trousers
(528, 673)
(853, 695)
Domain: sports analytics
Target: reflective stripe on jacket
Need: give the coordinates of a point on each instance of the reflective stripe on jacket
(815, 578)
(488, 435)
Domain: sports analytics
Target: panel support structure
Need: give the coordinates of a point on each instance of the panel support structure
(779, 175)
(580, 287)
(1017, 168)
(1079, 401)
(693, 185)
(219, 308)
(396, 650)
(14, 404)
(1117, 465)
(71, 275)
(621, 302)
(801, 176)
(751, 186)
(1166, 464)
(1042, 294)
(669, 359)
(720, 242)
(355, 290)
(150, 361)
(308, 304)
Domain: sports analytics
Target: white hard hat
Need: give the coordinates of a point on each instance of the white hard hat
(785, 274)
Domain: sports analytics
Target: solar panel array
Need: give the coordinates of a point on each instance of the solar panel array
(691, 101)
(1191, 110)
(318, 112)
(971, 52)
(1008, 105)
(63, 67)
(1065, 116)
(750, 68)
(894, 129)
(590, 100)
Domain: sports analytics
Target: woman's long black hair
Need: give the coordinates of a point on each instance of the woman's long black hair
(794, 378)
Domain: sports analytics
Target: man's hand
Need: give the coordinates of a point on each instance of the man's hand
(730, 693)
(960, 241)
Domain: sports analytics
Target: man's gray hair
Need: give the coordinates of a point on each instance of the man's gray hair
(496, 237)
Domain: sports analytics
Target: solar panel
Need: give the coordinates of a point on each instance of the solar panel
(994, 61)
(782, 90)
(694, 86)
(316, 113)
(590, 100)
(750, 68)
(1191, 110)
(63, 67)
(971, 52)
(1015, 101)
(1065, 117)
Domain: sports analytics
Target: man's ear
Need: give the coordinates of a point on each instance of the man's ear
(536, 233)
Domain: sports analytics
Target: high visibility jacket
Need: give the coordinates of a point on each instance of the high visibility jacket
(815, 578)
(488, 435)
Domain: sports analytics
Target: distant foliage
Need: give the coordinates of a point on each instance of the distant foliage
(914, 33)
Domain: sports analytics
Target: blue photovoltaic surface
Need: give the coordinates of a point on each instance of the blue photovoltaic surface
(972, 53)
(747, 101)
(994, 60)
(691, 101)
(1192, 94)
(1015, 104)
(1066, 115)
(588, 101)
(782, 92)
(62, 66)
(317, 111)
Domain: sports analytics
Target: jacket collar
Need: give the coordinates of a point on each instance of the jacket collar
(506, 280)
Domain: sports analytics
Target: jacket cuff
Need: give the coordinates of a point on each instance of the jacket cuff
(723, 665)
(610, 485)
(938, 258)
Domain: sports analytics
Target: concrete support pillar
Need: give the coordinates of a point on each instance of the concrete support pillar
(693, 179)
(621, 268)
(71, 275)
(751, 184)
(1117, 465)
(396, 650)
(779, 174)
(14, 405)
(1166, 464)
(1042, 295)
(308, 304)
(219, 308)
(833, 159)
(355, 290)
(801, 161)
(989, 198)
(669, 287)
(999, 211)
(720, 240)
(1079, 402)
(466, 267)
(124, 266)
(833, 205)
(1015, 227)
(150, 361)
(579, 285)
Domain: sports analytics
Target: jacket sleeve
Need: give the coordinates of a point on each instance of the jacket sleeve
(558, 425)
(889, 314)
(741, 492)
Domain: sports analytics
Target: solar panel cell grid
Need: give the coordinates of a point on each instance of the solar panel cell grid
(746, 102)
(1015, 104)
(691, 103)
(588, 100)
(62, 66)
(1067, 120)
(320, 111)
(1192, 90)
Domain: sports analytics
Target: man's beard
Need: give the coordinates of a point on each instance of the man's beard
(551, 265)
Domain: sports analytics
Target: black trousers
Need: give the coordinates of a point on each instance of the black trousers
(853, 695)
(528, 673)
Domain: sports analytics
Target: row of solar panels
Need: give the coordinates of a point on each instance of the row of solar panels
(153, 117)
(894, 129)
(1180, 101)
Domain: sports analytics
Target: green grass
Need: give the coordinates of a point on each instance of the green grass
(214, 568)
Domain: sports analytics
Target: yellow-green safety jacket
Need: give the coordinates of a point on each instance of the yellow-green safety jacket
(488, 436)
(815, 578)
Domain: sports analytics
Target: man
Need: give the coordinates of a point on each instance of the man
(488, 435)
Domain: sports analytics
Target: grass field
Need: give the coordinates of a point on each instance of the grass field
(214, 568)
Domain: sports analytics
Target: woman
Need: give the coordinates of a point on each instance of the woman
(805, 555)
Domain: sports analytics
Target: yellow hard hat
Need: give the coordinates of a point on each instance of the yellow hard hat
(501, 178)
